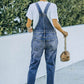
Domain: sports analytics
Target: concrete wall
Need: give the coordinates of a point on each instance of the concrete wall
(15, 54)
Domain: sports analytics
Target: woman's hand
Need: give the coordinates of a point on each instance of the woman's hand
(30, 30)
(65, 33)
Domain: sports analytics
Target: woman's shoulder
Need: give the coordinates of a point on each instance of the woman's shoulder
(53, 5)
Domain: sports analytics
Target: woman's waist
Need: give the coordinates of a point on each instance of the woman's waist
(44, 35)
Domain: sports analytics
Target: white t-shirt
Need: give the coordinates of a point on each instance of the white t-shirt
(33, 13)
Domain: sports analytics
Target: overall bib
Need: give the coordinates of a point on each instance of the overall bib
(44, 38)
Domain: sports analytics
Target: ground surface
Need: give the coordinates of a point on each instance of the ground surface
(73, 74)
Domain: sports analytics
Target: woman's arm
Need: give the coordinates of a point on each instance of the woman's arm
(58, 27)
(28, 25)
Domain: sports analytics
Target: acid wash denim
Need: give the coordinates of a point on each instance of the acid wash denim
(44, 38)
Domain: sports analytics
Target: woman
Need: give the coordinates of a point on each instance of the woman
(45, 21)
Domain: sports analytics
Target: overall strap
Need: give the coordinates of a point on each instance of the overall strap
(39, 9)
(46, 8)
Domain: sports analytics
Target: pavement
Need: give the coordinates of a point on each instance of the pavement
(72, 74)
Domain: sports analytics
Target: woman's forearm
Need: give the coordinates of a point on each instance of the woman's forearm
(28, 24)
(57, 26)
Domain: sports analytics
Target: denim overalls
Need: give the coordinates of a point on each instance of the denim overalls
(44, 38)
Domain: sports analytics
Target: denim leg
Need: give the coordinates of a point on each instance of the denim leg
(36, 53)
(50, 57)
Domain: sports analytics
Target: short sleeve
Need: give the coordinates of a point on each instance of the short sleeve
(29, 12)
(54, 14)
